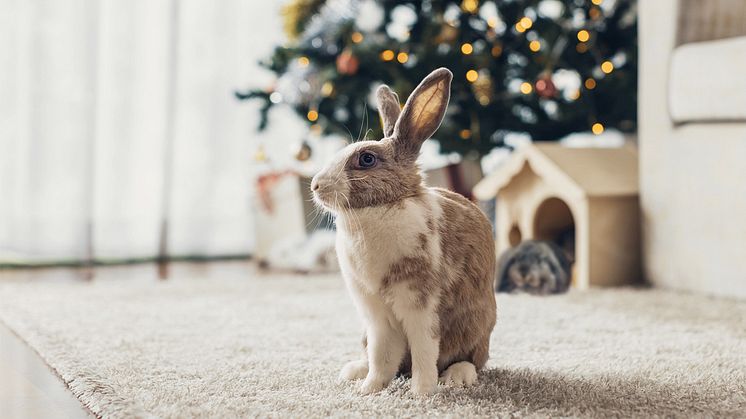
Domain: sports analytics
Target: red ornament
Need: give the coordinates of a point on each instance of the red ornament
(545, 87)
(347, 63)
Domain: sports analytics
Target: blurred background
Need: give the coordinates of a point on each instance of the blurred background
(123, 137)
(189, 129)
(120, 133)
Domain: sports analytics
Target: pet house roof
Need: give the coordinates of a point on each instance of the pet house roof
(588, 171)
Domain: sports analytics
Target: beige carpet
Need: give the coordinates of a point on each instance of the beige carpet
(272, 346)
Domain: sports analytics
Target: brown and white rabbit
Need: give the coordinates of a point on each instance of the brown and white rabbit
(418, 262)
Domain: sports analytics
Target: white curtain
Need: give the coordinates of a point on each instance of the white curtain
(120, 137)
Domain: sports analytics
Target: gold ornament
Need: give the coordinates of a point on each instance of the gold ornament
(483, 88)
(448, 33)
(304, 151)
(347, 62)
(470, 6)
(327, 89)
(296, 14)
(260, 155)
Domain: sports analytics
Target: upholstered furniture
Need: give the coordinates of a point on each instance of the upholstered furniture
(692, 141)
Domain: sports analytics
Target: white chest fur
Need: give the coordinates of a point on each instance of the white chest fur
(370, 240)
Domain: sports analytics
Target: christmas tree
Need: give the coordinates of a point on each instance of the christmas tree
(546, 68)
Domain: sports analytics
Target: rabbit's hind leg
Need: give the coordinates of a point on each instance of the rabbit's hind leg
(462, 373)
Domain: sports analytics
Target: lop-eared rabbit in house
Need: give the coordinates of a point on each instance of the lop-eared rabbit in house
(418, 262)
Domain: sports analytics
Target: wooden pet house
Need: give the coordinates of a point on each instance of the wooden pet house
(545, 191)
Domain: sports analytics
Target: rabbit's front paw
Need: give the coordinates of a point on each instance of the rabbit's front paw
(373, 384)
(425, 384)
(354, 370)
(460, 374)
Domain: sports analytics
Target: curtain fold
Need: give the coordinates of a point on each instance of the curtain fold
(117, 117)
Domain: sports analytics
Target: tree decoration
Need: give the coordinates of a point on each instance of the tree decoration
(483, 89)
(543, 68)
(347, 63)
(260, 155)
(304, 151)
(545, 86)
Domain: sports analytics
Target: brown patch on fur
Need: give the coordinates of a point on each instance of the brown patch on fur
(467, 310)
(423, 241)
(418, 272)
(430, 223)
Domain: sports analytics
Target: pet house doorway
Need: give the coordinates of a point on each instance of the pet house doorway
(553, 221)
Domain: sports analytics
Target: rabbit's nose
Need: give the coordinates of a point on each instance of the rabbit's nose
(314, 184)
(523, 269)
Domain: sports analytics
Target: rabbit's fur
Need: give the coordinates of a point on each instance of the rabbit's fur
(418, 262)
(534, 267)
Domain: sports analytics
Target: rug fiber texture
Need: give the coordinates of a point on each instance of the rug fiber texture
(273, 345)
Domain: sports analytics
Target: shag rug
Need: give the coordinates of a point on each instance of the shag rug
(272, 345)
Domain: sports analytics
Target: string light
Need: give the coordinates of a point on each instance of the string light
(597, 2)
(357, 37)
(472, 76)
(492, 22)
(597, 128)
(303, 61)
(387, 55)
(575, 95)
(607, 67)
(496, 50)
(402, 57)
(524, 24)
(534, 46)
(590, 84)
(526, 88)
(583, 35)
(312, 115)
(465, 134)
(466, 48)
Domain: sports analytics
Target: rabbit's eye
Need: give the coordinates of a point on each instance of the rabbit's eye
(367, 160)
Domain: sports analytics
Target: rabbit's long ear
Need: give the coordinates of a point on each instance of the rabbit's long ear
(423, 113)
(388, 108)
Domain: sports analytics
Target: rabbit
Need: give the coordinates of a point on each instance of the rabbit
(418, 262)
(534, 267)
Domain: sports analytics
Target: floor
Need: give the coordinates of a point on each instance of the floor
(29, 388)
(224, 339)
